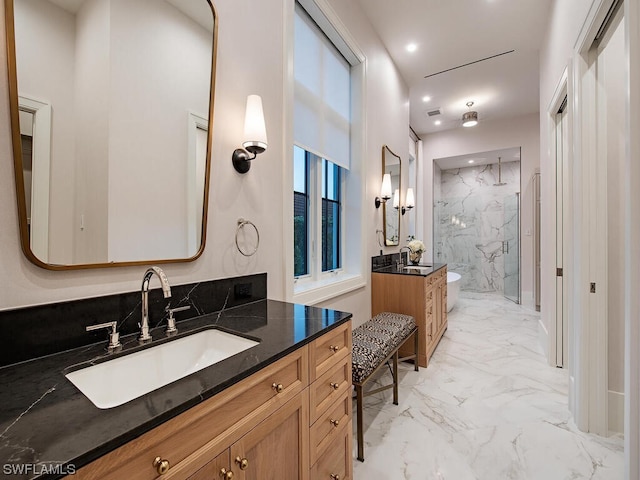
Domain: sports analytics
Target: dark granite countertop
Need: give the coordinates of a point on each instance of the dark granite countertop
(46, 422)
(420, 270)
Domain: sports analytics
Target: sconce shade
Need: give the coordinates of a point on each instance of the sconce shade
(410, 201)
(385, 191)
(255, 135)
(396, 199)
(255, 132)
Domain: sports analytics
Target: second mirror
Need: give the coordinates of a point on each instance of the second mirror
(391, 164)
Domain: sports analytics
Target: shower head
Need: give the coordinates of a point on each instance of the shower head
(500, 182)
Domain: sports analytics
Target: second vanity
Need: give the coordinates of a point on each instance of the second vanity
(282, 406)
(419, 291)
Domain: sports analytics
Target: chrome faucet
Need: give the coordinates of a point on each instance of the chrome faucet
(401, 262)
(166, 290)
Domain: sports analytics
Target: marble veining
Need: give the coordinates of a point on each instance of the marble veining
(488, 407)
(50, 427)
(471, 223)
(30, 334)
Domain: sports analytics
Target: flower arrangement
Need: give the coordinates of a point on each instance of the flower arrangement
(416, 246)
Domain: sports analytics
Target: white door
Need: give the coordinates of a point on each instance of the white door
(562, 156)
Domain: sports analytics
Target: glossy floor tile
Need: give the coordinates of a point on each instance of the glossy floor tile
(488, 407)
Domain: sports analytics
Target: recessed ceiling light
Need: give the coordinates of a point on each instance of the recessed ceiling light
(471, 161)
(437, 122)
(426, 98)
(412, 47)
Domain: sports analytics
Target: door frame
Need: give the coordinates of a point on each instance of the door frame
(632, 252)
(589, 335)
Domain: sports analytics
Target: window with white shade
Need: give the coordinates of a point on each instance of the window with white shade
(322, 151)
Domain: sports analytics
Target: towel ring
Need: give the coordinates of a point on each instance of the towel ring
(241, 223)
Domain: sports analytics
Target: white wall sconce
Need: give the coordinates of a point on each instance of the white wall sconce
(409, 201)
(396, 199)
(255, 135)
(385, 190)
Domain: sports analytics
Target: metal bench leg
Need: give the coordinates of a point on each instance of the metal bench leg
(395, 378)
(415, 349)
(359, 423)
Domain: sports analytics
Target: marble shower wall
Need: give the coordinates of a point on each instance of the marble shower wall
(471, 224)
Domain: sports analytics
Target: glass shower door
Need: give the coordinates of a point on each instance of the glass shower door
(511, 247)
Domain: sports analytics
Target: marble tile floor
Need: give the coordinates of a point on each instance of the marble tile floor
(487, 408)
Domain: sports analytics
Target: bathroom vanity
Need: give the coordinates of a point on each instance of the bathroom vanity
(281, 406)
(419, 291)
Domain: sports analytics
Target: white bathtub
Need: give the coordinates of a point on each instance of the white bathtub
(453, 289)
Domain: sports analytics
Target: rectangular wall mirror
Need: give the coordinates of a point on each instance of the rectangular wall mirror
(391, 164)
(111, 116)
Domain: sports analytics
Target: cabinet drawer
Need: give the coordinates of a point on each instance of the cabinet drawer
(428, 295)
(428, 312)
(330, 387)
(329, 350)
(206, 428)
(326, 429)
(337, 460)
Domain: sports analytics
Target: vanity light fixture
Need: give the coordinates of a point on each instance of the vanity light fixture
(470, 118)
(385, 190)
(255, 135)
(396, 199)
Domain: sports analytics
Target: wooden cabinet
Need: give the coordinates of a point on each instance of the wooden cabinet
(277, 447)
(259, 428)
(219, 467)
(330, 430)
(422, 297)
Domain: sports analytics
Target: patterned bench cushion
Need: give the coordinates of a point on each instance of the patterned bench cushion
(375, 339)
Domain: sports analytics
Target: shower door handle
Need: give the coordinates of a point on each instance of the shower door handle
(505, 246)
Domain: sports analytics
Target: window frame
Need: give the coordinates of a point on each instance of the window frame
(355, 255)
(315, 195)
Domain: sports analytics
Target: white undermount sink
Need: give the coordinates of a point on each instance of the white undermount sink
(117, 381)
(418, 268)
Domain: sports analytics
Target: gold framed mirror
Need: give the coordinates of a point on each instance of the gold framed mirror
(112, 117)
(391, 164)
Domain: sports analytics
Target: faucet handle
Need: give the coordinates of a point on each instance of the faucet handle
(114, 336)
(171, 321)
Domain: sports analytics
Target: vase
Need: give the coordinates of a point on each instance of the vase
(415, 257)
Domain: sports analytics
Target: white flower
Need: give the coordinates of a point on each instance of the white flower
(416, 246)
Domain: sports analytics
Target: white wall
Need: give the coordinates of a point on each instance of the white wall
(92, 74)
(250, 62)
(521, 132)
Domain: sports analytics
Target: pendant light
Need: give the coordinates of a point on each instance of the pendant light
(470, 118)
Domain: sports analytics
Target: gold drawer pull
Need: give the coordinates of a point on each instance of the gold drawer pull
(335, 423)
(226, 474)
(335, 476)
(334, 348)
(334, 385)
(161, 465)
(243, 463)
(277, 387)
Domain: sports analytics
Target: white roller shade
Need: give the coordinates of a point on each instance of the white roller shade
(322, 105)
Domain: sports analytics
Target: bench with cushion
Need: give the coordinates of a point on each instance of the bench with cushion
(374, 343)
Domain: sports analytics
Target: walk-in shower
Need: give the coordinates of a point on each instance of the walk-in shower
(477, 220)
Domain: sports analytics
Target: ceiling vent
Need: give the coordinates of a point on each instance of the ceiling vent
(435, 112)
